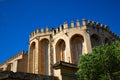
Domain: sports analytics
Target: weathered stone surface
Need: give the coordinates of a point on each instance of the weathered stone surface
(56, 51)
(9, 75)
(67, 70)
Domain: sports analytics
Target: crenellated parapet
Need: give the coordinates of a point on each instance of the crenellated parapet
(40, 31)
(59, 29)
(66, 26)
(85, 24)
(97, 24)
(101, 26)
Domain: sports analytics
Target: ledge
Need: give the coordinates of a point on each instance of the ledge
(59, 64)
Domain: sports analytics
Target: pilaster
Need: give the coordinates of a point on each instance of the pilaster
(87, 42)
(36, 56)
(68, 54)
(28, 68)
(14, 66)
(51, 58)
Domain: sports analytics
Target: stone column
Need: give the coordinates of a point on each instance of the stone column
(87, 43)
(68, 53)
(49, 60)
(36, 56)
(14, 66)
(51, 57)
(54, 55)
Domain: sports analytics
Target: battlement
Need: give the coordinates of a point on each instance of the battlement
(85, 23)
(103, 27)
(14, 57)
(97, 24)
(58, 29)
(42, 31)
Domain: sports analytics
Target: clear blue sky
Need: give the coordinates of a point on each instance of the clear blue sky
(18, 18)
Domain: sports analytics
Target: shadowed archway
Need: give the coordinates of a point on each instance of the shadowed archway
(43, 57)
(60, 50)
(32, 60)
(95, 40)
(76, 46)
(107, 41)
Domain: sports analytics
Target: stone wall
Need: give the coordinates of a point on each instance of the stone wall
(12, 63)
(9, 75)
(22, 64)
(67, 70)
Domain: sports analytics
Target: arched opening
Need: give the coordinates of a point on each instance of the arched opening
(1, 69)
(32, 55)
(76, 46)
(60, 50)
(107, 41)
(43, 57)
(9, 67)
(95, 40)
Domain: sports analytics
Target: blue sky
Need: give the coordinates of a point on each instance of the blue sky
(18, 18)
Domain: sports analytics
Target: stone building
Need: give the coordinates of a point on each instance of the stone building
(56, 51)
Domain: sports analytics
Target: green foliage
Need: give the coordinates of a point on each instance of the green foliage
(103, 63)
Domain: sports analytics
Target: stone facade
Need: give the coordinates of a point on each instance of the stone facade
(65, 43)
(16, 63)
